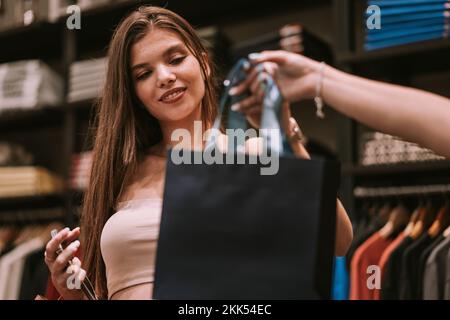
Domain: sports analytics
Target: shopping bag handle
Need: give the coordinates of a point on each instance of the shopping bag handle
(271, 130)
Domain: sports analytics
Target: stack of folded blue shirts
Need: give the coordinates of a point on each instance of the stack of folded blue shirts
(408, 21)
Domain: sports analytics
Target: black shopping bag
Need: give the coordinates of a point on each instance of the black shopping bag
(229, 232)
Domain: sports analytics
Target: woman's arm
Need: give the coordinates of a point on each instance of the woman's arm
(412, 114)
(344, 229)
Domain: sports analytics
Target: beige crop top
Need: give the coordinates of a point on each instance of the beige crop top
(128, 244)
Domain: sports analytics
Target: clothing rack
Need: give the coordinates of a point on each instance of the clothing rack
(363, 192)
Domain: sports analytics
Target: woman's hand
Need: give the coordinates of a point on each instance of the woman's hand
(290, 126)
(252, 108)
(295, 75)
(66, 277)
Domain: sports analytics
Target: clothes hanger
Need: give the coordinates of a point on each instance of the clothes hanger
(442, 220)
(420, 217)
(412, 221)
(398, 219)
(384, 211)
(426, 218)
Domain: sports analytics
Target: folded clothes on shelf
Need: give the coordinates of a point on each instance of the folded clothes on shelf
(87, 78)
(406, 22)
(29, 84)
(14, 155)
(28, 181)
(379, 148)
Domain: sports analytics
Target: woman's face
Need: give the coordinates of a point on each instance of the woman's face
(167, 77)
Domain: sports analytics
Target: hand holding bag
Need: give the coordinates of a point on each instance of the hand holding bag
(229, 232)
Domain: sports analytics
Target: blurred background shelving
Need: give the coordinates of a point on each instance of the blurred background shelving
(55, 134)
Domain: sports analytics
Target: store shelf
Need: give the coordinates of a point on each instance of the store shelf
(98, 23)
(29, 42)
(31, 202)
(22, 30)
(393, 169)
(82, 105)
(19, 119)
(206, 9)
(420, 48)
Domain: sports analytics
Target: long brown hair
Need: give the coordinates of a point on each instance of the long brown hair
(125, 129)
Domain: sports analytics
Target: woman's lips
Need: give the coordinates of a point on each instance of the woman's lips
(175, 97)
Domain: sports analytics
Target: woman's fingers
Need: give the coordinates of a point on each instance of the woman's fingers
(63, 236)
(72, 236)
(52, 245)
(253, 115)
(242, 87)
(62, 261)
(276, 56)
(244, 104)
(296, 137)
(268, 68)
(258, 89)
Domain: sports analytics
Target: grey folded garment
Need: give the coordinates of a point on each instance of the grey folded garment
(29, 84)
(87, 79)
(378, 148)
(14, 155)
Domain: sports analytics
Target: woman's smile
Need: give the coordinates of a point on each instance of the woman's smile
(173, 96)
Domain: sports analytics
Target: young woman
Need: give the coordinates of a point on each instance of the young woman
(159, 79)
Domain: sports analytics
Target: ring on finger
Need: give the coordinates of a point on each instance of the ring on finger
(50, 259)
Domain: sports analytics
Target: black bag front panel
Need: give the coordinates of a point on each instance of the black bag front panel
(228, 232)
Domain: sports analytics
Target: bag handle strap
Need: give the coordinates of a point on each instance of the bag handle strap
(274, 137)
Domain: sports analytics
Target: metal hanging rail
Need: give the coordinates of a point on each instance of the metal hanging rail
(362, 192)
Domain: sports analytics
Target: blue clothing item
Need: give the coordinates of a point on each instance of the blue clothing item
(341, 281)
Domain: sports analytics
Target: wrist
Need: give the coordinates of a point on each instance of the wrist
(314, 74)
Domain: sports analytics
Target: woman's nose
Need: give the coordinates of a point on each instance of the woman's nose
(165, 77)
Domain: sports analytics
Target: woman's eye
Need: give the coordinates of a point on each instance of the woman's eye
(177, 60)
(143, 75)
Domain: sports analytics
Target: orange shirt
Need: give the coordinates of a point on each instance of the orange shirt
(384, 259)
(369, 253)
